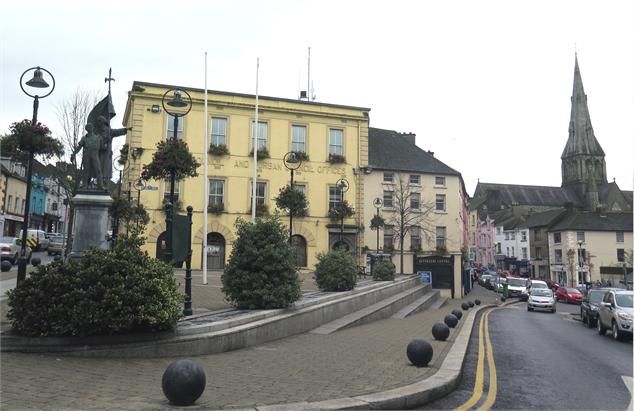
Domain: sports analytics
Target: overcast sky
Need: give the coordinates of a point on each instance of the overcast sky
(486, 85)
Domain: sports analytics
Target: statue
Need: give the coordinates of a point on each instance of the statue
(105, 155)
(91, 143)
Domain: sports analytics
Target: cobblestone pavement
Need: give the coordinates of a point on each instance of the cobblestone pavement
(307, 367)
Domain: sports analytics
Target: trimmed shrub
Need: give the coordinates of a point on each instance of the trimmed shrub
(105, 292)
(261, 272)
(383, 270)
(335, 271)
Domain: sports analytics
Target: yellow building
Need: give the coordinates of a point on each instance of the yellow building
(317, 129)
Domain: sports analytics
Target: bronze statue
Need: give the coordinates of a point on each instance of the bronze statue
(91, 144)
(107, 134)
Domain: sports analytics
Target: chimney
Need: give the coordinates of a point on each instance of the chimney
(601, 210)
(410, 137)
(431, 153)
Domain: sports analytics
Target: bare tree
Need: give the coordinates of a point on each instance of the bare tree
(72, 115)
(410, 210)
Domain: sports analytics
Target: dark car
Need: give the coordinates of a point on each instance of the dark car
(590, 306)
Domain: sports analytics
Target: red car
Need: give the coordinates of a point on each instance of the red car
(569, 295)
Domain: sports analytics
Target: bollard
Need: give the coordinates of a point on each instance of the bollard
(451, 320)
(419, 352)
(470, 304)
(477, 302)
(5, 265)
(440, 331)
(35, 261)
(183, 382)
(465, 306)
(457, 313)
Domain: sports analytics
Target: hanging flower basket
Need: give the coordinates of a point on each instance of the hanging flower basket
(171, 155)
(341, 210)
(377, 222)
(292, 200)
(27, 138)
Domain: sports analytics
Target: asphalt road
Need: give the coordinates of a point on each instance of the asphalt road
(545, 361)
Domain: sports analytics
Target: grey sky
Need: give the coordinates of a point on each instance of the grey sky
(486, 85)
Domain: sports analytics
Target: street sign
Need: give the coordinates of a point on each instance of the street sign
(151, 188)
(425, 276)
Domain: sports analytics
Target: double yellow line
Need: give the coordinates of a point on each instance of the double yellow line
(478, 387)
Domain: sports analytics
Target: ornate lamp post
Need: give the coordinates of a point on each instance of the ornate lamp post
(36, 82)
(120, 168)
(176, 101)
(378, 203)
(580, 272)
(138, 186)
(343, 186)
(292, 163)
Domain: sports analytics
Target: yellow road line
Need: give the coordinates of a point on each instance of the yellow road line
(493, 379)
(479, 381)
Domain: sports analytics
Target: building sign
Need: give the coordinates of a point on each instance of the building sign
(305, 168)
(425, 276)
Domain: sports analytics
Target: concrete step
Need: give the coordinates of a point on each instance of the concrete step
(419, 305)
(378, 311)
(439, 303)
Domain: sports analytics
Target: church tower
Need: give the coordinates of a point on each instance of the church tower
(583, 159)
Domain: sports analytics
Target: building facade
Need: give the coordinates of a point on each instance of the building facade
(325, 133)
(14, 175)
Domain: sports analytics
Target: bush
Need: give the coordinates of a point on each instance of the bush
(261, 272)
(105, 292)
(383, 270)
(335, 271)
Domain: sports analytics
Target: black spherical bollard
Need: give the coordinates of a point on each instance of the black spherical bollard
(451, 320)
(457, 313)
(35, 261)
(183, 382)
(57, 258)
(5, 265)
(477, 302)
(440, 331)
(471, 304)
(465, 306)
(419, 352)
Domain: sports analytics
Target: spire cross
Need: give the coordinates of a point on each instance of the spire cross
(109, 79)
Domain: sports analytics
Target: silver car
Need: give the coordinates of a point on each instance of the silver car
(615, 313)
(10, 249)
(541, 299)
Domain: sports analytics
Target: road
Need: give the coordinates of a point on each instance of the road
(8, 278)
(541, 361)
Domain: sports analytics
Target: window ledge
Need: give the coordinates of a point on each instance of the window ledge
(441, 187)
(440, 212)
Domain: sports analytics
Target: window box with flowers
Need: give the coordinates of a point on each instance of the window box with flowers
(263, 154)
(218, 150)
(301, 155)
(216, 208)
(336, 159)
(261, 210)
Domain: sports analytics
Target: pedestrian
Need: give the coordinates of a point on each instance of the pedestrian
(609, 283)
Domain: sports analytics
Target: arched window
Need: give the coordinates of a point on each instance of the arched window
(299, 244)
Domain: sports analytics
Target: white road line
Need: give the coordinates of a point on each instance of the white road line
(628, 383)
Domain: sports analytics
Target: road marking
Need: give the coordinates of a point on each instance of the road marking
(628, 383)
(492, 371)
(479, 381)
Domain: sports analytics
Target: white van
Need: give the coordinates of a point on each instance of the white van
(36, 239)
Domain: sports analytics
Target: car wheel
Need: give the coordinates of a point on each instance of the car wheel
(528, 308)
(600, 329)
(14, 260)
(615, 331)
(553, 310)
(584, 320)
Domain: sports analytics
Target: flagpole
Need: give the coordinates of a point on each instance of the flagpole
(205, 179)
(256, 134)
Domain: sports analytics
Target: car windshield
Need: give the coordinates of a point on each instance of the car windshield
(624, 300)
(539, 285)
(517, 282)
(542, 292)
(596, 296)
(573, 291)
(6, 239)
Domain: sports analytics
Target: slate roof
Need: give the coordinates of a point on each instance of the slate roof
(543, 218)
(530, 195)
(389, 150)
(476, 202)
(589, 221)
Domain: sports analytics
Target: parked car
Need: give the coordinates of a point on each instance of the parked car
(56, 244)
(553, 285)
(535, 284)
(10, 248)
(517, 286)
(491, 282)
(569, 295)
(615, 313)
(483, 279)
(590, 306)
(541, 299)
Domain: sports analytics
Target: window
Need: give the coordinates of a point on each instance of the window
(538, 253)
(218, 131)
(558, 256)
(216, 192)
(260, 193)
(415, 242)
(557, 238)
(166, 190)
(10, 202)
(262, 134)
(334, 196)
(388, 177)
(620, 255)
(335, 141)
(440, 181)
(508, 254)
(538, 235)
(524, 253)
(619, 235)
(440, 202)
(523, 235)
(513, 235)
(388, 199)
(414, 201)
(23, 205)
(170, 127)
(581, 236)
(506, 236)
(499, 248)
(298, 138)
(582, 256)
(414, 179)
(498, 230)
(388, 237)
(441, 237)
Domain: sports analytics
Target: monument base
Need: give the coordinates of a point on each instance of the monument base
(90, 226)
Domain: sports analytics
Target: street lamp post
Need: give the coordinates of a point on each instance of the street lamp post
(292, 163)
(139, 186)
(175, 101)
(377, 204)
(343, 186)
(580, 272)
(36, 82)
(115, 222)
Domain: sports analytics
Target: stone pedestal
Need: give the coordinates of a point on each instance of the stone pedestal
(90, 225)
